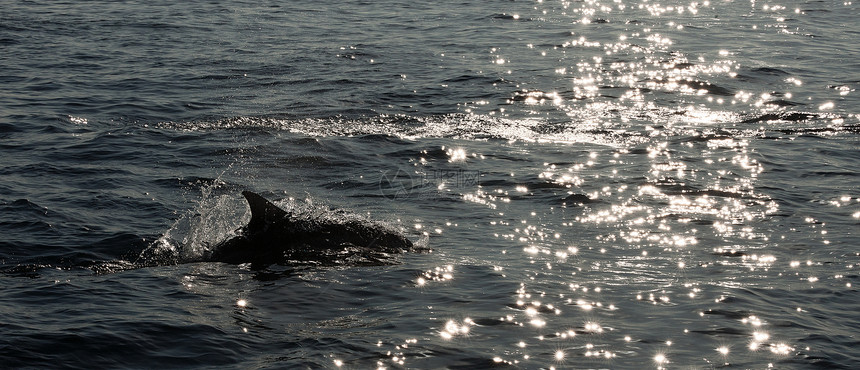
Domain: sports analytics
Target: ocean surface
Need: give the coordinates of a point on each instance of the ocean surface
(620, 184)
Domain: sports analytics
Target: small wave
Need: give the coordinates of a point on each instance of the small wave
(508, 17)
(709, 87)
(782, 103)
(783, 116)
(769, 71)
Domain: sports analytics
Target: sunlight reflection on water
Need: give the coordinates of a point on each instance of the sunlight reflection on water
(605, 183)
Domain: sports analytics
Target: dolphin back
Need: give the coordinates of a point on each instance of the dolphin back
(276, 236)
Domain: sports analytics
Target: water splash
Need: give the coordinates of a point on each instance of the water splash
(215, 217)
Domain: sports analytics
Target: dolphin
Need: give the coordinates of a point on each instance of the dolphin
(276, 236)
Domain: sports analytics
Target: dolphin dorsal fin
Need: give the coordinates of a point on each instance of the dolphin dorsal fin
(263, 211)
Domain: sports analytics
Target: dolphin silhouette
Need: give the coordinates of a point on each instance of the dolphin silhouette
(276, 236)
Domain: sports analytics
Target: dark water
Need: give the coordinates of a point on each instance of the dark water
(604, 184)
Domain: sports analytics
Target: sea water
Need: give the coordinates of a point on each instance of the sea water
(603, 184)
